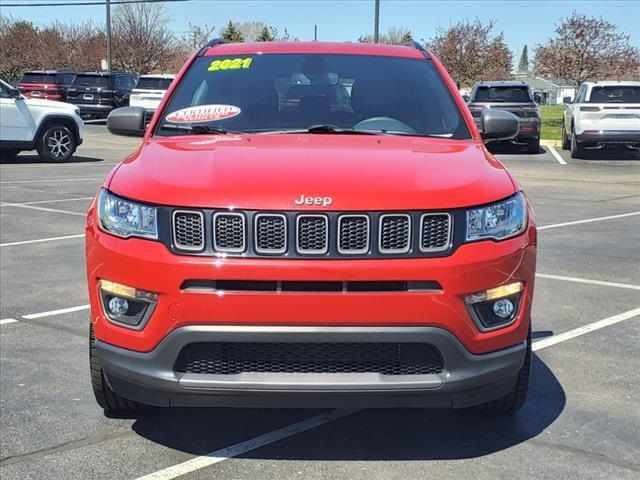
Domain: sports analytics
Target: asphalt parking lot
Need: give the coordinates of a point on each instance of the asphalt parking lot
(581, 419)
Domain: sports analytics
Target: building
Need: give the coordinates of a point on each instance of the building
(550, 91)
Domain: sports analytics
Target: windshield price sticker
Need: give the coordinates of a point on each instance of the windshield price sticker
(230, 64)
(203, 113)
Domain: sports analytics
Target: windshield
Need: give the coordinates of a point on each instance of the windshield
(154, 83)
(38, 78)
(615, 94)
(503, 94)
(280, 92)
(91, 81)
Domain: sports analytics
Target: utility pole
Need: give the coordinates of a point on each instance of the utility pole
(376, 24)
(315, 32)
(108, 35)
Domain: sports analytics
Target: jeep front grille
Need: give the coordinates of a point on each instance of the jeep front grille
(291, 234)
(435, 232)
(395, 233)
(229, 232)
(312, 234)
(353, 234)
(271, 233)
(188, 230)
(233, 358)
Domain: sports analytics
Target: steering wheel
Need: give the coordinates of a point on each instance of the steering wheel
(387, 124)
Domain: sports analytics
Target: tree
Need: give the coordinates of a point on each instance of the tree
(197, 36)
(393, 36)
(587, 48)
(142, 41)
(266, 35)
(471, 53)
(231, 34)
(523, 64)
(18, 48)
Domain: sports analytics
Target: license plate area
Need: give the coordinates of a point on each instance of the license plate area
(35, 93)
(88, 96)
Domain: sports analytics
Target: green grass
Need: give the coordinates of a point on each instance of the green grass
(551, 122)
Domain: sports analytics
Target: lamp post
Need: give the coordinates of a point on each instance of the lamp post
(108, 35)
(376, 24)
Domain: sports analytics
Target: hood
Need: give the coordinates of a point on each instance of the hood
(265, 172)
(41, 102)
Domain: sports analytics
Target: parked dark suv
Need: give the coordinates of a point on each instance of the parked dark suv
(514, 97)
(97, 93)
(47, 84)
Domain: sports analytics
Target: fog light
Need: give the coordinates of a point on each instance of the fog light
(118, 306)
(126, 306)
(496, 307)
(503, 308)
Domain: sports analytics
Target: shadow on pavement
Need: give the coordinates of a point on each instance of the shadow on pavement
(33, 159)
(511, 149)
(372, 434)
(610, 154)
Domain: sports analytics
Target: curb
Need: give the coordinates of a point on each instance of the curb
(550, 143)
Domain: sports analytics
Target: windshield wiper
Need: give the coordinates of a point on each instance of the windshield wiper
(199, 129)
(322, 129)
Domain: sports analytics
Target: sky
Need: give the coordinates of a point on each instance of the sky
(523, 22)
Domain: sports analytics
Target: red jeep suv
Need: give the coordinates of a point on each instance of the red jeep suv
(311, 224)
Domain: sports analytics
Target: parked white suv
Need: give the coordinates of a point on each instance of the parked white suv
(602, 114)
(54, 129)
(149, 91)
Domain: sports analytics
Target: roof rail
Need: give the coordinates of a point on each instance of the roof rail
(211, 43)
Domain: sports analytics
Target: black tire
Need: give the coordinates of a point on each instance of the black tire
(9, 153)
(57, 143)
(576, 150)
(513, 400)
(566, 144)
(533, 146)
(110, 401)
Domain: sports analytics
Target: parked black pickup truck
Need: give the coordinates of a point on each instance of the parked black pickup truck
(97, 93)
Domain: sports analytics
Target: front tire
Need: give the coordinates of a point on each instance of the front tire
(513, 401)
(110, 401)
(56, 144)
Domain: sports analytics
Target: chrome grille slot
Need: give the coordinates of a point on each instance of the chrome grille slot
(188, 230)
(312, 234)
(395, 233)
(229, 233)
(435, 232)
(270, 233)
(353, 234)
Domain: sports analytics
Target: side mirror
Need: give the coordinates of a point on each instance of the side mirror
(567, 100)
(15, 93)
(498, 125)
(127, 121)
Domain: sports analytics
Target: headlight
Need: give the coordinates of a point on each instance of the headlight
(500, 220)
(125, 218)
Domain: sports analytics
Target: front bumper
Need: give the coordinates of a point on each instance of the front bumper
(467, 379)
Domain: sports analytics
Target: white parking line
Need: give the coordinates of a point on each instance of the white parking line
(218, 456)
(588, 281)
(52, 181)
(51, 313)
(240, 448)
(43, 209)
(576, 332)
(37, 202)
(41, 240)
(4, 321)
(588, 220)
(557, 156)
